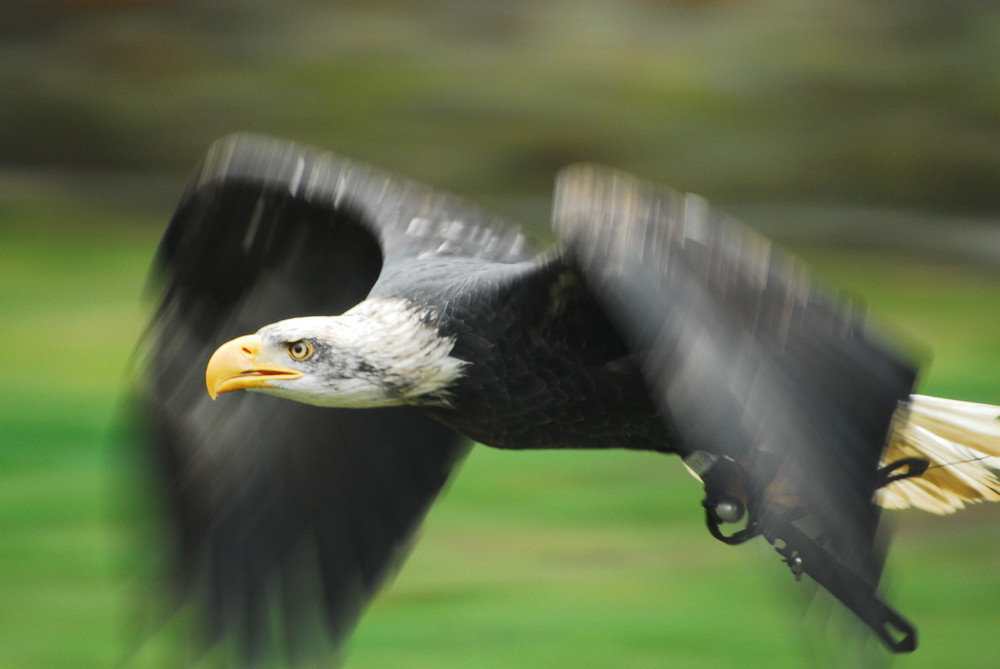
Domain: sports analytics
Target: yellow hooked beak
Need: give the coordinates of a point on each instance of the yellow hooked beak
(234, 366)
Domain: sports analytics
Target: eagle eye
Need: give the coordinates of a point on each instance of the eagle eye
(300, 350)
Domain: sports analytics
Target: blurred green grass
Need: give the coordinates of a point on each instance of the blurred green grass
(72, 314)
(591, 560)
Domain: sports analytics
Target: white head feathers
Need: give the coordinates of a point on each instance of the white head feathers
(379, 353)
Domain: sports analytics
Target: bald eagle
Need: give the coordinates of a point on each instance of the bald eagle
(655, 323)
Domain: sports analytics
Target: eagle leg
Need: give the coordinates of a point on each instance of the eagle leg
(729, 495)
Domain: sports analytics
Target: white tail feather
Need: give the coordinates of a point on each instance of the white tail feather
(961, 440)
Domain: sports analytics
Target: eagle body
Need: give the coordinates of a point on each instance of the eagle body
(541, 366)
(512, 356)
(654, 324)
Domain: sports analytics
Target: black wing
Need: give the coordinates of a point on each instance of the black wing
(752, 363)
(282, 508)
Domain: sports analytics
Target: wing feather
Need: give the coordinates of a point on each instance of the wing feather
(408, 218)
(281, 508)
(746, 355)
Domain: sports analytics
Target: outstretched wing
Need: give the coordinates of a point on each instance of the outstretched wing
(748, 359)
(282, 508)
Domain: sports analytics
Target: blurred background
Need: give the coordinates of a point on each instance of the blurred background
(862, 134)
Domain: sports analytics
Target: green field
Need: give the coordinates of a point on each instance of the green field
(589, 560)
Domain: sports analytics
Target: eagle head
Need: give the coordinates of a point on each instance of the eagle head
(383, 352)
